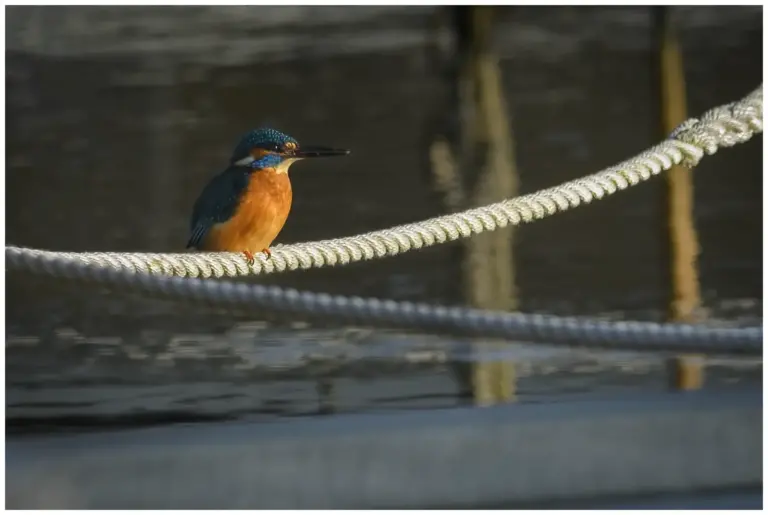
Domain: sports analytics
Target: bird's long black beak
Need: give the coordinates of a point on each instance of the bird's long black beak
(304, 152)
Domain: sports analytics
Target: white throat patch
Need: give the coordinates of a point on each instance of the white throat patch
(286, 164)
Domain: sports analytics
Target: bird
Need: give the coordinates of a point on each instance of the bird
(244, 208)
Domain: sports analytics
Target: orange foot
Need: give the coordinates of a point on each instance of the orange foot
(248, 257)
(267, 253)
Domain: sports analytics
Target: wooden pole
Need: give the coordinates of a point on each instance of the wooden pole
(686, 372)
(486, 173)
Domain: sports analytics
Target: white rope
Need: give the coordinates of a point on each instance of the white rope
(254, 299)
(722, 126)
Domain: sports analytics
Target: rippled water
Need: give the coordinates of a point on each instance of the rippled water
(113, 130)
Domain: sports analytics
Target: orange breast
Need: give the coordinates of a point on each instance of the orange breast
(259, 218)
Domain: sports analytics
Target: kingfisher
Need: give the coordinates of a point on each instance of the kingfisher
(245, 207)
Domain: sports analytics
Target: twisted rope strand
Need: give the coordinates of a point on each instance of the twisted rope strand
(722, 126)
(252, 299)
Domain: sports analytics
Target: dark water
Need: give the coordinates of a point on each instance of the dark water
(116, 118)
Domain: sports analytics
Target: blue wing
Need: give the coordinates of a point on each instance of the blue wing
(217, 203)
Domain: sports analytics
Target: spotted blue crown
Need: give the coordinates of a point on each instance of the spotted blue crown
(263, 138)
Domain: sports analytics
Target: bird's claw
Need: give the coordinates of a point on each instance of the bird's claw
(250, 259)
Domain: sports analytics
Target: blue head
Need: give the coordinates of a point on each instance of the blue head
(269, 148)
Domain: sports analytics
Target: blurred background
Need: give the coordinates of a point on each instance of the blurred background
(118, 116)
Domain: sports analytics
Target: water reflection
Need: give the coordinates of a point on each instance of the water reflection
(112, 131)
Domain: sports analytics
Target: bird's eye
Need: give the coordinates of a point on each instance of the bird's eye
(276, 147)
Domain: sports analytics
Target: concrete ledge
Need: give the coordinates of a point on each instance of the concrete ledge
(635, 445)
